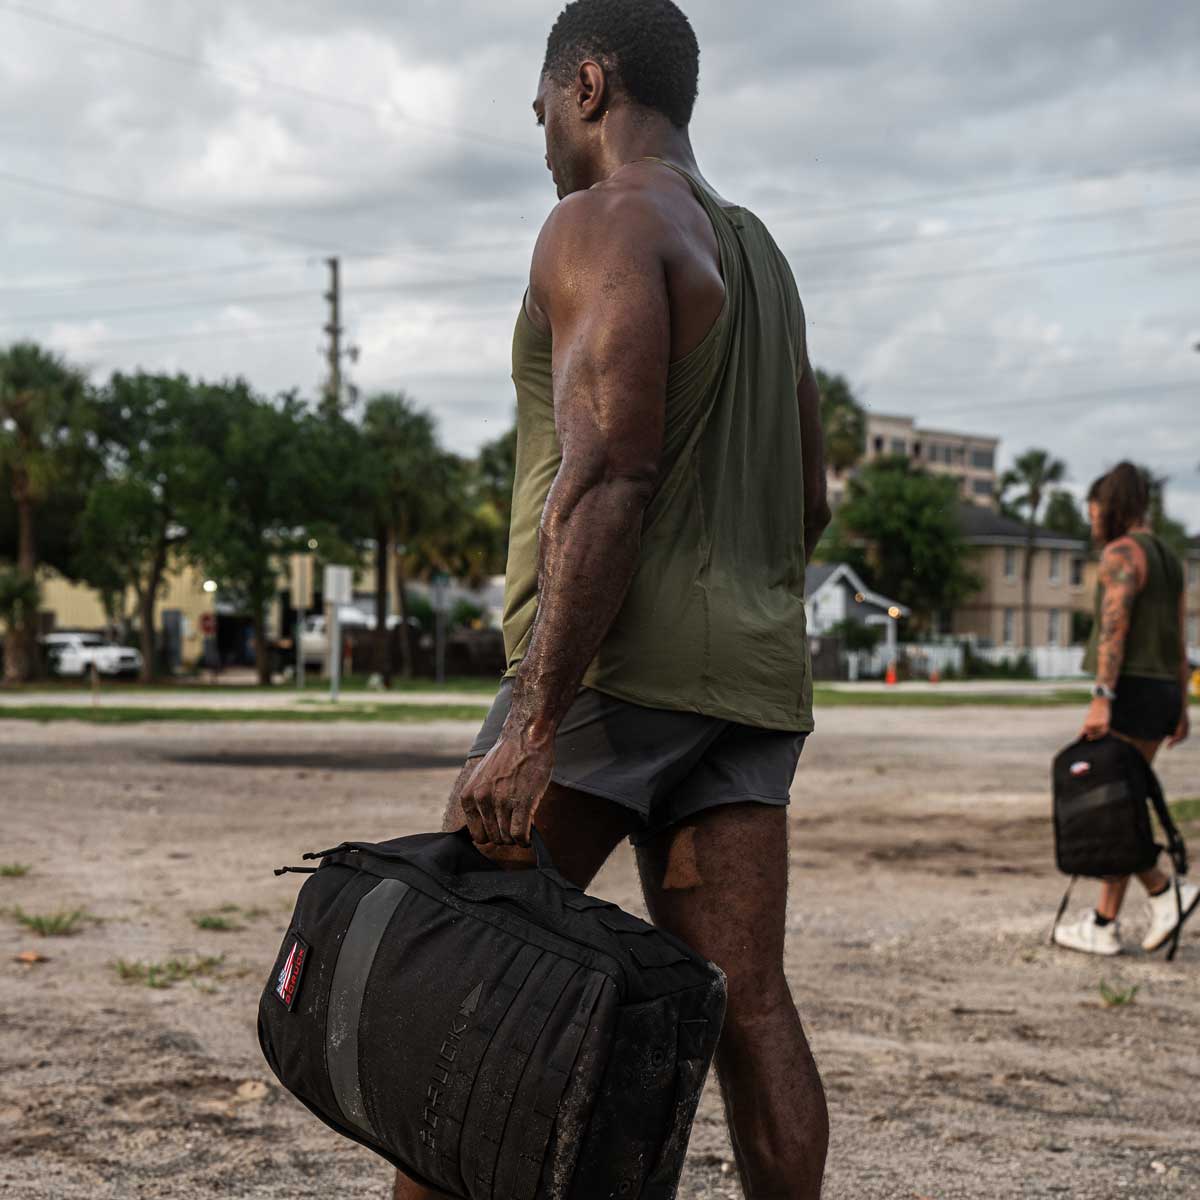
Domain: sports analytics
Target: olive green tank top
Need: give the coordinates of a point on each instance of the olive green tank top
(1153, 646)
(713, 622)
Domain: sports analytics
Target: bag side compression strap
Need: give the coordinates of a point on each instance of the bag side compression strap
(359, 947)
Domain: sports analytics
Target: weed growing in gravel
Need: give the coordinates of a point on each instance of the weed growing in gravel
(215, 921)
(1186, 810)
(1117, 997)
(164, 974)
(14, 870)
(58, 924)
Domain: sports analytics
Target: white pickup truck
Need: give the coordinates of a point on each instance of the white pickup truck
(74, 654)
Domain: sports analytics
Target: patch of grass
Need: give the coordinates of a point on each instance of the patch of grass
(129, 714)
(1185, 811)
(824, 697)
(215, 922)
(57, 924)
(14, 870)
(171, 971)
(1118, 997)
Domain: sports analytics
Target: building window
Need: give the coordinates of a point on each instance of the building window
(899, 446)
(985, 460)
(1010, 625)
(916, 450)
(1077, 572)
(1193, 573)
(1010, 563)
(879, 445)
(982, 487)
(1055, 566)
(1053, 632)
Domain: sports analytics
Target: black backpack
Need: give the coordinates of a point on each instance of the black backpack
(1102, 825)
(493, 1033)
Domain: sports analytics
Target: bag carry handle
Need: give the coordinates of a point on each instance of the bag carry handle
(541, 852)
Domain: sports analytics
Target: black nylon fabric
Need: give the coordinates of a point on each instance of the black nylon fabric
(1101, 816)
(516, 1037)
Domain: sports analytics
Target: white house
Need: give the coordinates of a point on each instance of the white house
(834, 593)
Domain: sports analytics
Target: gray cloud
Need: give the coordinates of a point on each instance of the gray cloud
(911, 158)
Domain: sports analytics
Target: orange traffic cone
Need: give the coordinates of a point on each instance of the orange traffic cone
(890, 677)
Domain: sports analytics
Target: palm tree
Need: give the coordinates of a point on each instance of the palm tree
(414, 485)
(41, 399)
(1034, 472)
(844, 422)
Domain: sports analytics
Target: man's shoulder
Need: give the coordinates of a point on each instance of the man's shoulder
(619, 209)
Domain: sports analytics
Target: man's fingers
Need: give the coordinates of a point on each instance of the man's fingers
(521, 822)
(474, 824)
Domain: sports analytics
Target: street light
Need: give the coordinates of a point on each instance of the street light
(210, 586)
(313, 543)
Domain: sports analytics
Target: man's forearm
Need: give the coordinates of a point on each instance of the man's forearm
(590, 541)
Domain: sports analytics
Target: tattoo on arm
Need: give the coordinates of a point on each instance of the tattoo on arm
(1119, 579)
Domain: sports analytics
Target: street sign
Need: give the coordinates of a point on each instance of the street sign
(339, 585)
(207, 624)
(302, 580)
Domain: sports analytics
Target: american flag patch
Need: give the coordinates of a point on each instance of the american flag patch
(288, 982)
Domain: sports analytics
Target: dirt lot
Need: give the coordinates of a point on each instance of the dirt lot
(963, 1057)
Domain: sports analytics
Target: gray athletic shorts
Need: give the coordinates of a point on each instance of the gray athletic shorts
(665, 766)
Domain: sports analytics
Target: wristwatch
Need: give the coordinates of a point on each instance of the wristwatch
(1100, 692)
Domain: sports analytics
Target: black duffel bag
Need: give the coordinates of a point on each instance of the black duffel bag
(493, 1033)
(1102, 826)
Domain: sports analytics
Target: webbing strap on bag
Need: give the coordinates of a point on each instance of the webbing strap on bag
(1176, 851)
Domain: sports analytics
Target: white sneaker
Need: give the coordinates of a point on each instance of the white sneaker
(1164, 916)
(1087, 936)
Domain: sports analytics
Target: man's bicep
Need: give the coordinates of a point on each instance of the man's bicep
(611, 328)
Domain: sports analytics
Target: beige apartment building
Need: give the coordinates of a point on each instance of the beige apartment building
(1063, 582)
(1192, 584)
(968, 457)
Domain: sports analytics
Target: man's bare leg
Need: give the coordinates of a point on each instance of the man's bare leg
(1112, 891)
(719, 882)
(580, 831)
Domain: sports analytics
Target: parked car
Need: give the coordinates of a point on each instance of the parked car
(73, 654)
(314, 640)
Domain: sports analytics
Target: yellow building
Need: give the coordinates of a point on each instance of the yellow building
(1063, 582)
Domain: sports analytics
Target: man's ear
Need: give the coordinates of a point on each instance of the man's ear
(591, 91)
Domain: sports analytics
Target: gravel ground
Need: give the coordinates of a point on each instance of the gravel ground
(963, 1057)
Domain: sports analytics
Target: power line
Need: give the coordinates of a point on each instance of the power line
(1050, 401)
(162, 306)
(59, 189)
(81, 285)
(933, 239)
(302, 93)
(1034, 183)
(240, 333)
(1007, 268)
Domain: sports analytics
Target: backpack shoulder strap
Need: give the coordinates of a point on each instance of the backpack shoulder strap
(1175, 844)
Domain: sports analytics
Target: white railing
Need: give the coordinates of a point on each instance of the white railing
(1049, 662)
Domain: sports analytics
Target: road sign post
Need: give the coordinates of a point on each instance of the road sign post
(302, 598)
(338, 590)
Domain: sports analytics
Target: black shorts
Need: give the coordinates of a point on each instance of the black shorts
(1147, 709)
(665, 766)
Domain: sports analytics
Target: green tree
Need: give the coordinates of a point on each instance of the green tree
(42, 401)
(1032, 475)
(1165, 526)
(255, 487)
(418, 499)
(898, 526)
(1063, 515)
(19, 601)
(843, 421)
(147, 428)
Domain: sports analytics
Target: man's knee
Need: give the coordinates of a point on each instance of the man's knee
(757, 998)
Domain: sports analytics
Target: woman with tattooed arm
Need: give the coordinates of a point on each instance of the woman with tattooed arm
(1138, 659)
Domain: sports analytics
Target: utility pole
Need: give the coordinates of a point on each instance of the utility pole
(333, 355)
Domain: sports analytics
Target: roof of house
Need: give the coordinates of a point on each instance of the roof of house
(984, 526)
(819, 575)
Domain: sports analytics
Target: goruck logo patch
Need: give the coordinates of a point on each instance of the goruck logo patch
(288, 982)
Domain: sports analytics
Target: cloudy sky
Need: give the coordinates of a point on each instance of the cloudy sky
(992, 210)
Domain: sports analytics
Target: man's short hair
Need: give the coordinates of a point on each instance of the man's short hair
(648, 44)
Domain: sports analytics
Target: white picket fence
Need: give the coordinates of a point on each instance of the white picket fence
(1049, 662)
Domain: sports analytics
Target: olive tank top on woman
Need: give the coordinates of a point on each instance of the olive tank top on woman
(713, 621)
(1153, 646)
